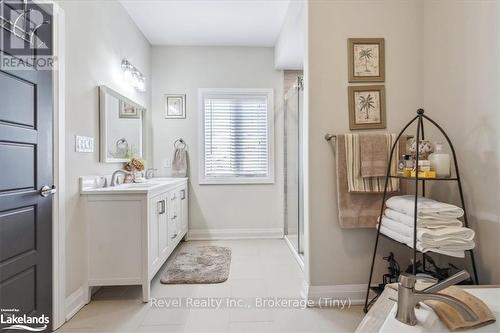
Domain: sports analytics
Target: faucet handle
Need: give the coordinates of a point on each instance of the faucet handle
(150, 173)
(452, 280)
(407, 280)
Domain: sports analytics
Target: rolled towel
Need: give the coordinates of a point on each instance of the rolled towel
(421, 247)
(426, 207)
(426, 222)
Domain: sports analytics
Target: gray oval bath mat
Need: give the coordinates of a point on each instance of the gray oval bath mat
(198, 264)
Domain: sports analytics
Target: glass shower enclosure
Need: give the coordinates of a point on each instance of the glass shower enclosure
(293, 188)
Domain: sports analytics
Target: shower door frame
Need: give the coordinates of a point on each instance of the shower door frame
(299, 251)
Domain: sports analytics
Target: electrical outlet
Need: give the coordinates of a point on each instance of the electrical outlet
(84, 144)
(167, 163)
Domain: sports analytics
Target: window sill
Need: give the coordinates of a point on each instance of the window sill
(236, 181)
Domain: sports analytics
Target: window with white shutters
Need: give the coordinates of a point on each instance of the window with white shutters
(237, 136)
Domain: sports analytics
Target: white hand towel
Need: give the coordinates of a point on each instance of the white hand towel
(426, 222)
(425, 207)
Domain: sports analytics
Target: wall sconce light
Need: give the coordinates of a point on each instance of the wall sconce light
(134, 76)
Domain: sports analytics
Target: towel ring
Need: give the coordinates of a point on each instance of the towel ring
(180, 144)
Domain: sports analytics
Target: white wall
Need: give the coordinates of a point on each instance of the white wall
(290, 46)
(461, 92)
(98, 35)
(243, 209)
(338, 256)
(442, 55)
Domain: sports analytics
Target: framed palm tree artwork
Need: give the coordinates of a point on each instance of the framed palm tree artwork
(366, 107)
(366, 59)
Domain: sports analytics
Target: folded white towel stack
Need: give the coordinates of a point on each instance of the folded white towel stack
(425, 222)
(438, 227)
(426, 208)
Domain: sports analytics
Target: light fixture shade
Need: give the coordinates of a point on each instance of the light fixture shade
(133, 76)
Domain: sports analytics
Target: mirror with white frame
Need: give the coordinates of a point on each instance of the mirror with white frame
(121, 127)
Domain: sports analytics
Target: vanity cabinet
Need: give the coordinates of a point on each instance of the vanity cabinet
(132, 229)
(167, 225)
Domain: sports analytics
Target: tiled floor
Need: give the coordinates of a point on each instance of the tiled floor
(259, 269)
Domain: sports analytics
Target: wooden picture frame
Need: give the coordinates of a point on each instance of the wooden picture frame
(175, 106)
(367, 107)
(366, 59)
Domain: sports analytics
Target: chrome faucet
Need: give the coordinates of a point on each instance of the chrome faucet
(408, 297)
(150, 173)
(115, 175)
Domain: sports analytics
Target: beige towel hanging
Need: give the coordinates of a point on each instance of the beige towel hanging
(356, 210)
(180, 159)
(356, 183)
(374, 152)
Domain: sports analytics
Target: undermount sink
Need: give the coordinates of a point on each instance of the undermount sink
(95, 185)
(428, 321)
(137, 185)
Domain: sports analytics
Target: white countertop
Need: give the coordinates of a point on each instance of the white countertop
(94, 185)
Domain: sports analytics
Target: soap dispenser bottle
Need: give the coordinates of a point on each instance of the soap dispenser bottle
(440, 161)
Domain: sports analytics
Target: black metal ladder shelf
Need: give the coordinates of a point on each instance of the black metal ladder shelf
(419, 118)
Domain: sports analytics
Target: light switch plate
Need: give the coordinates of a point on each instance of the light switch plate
(84, 144)
(167, 163)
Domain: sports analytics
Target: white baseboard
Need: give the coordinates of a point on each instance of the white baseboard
(321, 295)
(75, 302)
(210, 234)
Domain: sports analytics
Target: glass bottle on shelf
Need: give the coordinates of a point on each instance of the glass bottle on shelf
(440, 162)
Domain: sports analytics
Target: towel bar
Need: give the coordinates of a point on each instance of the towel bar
(329, 137)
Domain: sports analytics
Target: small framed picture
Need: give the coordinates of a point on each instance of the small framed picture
(366, 107)
(366, 60)
(175, 106)
(127, 110)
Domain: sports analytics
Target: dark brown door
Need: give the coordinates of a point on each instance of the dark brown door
(25, 167)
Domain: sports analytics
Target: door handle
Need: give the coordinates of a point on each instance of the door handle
(183, 194)
(45, 191)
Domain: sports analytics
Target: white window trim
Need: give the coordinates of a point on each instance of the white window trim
(202, 180)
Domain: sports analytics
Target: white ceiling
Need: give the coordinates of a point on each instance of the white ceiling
(209, 22)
